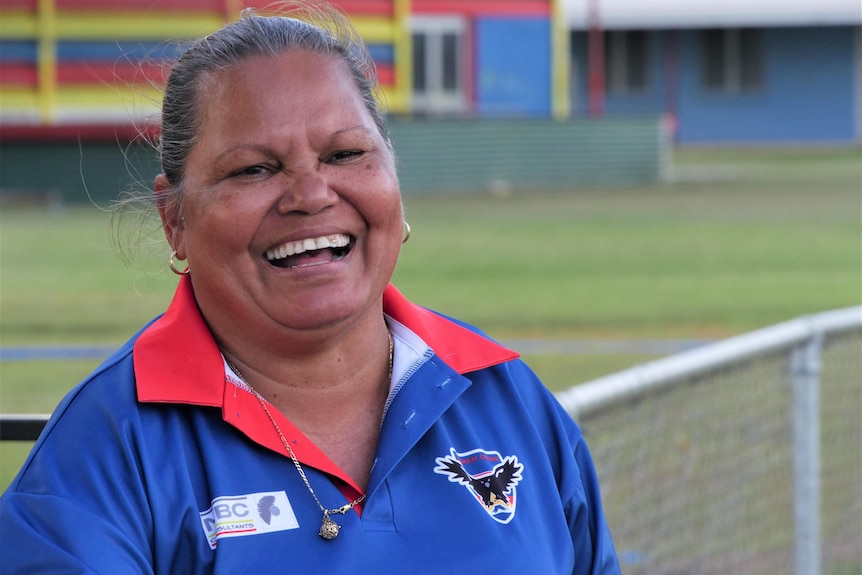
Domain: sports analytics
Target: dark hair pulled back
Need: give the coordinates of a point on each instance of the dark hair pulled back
(318, 29)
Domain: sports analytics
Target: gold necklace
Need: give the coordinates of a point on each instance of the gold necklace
(328, 528)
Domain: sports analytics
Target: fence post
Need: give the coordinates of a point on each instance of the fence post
(805, 366)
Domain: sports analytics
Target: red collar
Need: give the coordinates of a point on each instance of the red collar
(177, 360)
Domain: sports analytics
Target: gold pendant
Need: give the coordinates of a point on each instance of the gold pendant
(329, 528)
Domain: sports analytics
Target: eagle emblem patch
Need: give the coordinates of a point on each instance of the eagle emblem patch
(488, 476)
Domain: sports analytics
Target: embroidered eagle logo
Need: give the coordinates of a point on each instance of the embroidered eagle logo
(493, 488)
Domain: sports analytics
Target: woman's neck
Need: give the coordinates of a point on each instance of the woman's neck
(334, 393)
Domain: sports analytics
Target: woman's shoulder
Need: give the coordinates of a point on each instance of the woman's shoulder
(86, 414)
(84, 477)
(109, 387)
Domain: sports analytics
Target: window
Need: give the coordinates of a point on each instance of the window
(627, 61)
(438, 56)
(732, 60)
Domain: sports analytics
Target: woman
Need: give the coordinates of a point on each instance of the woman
(291, 410)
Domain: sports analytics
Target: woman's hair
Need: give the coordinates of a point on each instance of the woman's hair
(316, 28)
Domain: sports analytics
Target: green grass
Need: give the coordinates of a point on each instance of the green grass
(64, 282)
(740, 240)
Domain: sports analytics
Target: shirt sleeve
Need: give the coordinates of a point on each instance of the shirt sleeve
(79, 503)
(47, 534)
(592, 543)
(590, 532)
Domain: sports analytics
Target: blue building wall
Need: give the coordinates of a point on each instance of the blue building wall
(652, 100)
(513, 64)
(822, 98)
(808, 92)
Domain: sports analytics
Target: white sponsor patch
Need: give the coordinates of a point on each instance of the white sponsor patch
(251, 514)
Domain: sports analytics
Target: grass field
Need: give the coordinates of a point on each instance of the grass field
(736, 241)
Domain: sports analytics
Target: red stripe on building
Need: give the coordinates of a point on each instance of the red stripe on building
(468, 74)
(74, 132)
(13, 74)
(385, 75)
(83, 73)
(28, 5)
(367, 7)
(142, 5)
(109, 73)
(484, 7)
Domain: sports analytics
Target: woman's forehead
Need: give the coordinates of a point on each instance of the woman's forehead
(260, 70)
(279, 97)
(267, 84)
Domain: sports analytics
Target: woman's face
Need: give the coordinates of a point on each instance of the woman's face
(292, 210)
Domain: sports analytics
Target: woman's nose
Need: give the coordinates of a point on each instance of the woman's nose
(306, 191)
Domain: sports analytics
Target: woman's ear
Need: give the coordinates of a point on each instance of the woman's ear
(170, 212)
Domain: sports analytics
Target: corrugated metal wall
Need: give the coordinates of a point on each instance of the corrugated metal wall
(72, 172)
(433, 157)
(464, 156)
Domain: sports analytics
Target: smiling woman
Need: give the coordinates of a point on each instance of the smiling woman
(277, 168)
(290, 390)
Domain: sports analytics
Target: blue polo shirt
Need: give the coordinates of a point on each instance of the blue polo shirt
(163, 461)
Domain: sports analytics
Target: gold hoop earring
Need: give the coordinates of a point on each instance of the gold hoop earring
(174, 267)
(406, 232)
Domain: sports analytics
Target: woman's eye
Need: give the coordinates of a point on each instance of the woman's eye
(344, 155)
(252, 171)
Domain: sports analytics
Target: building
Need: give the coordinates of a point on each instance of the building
(735, 71)
(100, 61)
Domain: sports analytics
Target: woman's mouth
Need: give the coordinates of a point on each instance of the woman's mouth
(309, 252)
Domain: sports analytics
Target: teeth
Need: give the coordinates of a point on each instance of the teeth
(306, 245)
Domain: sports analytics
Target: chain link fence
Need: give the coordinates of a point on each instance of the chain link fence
(743, 456)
